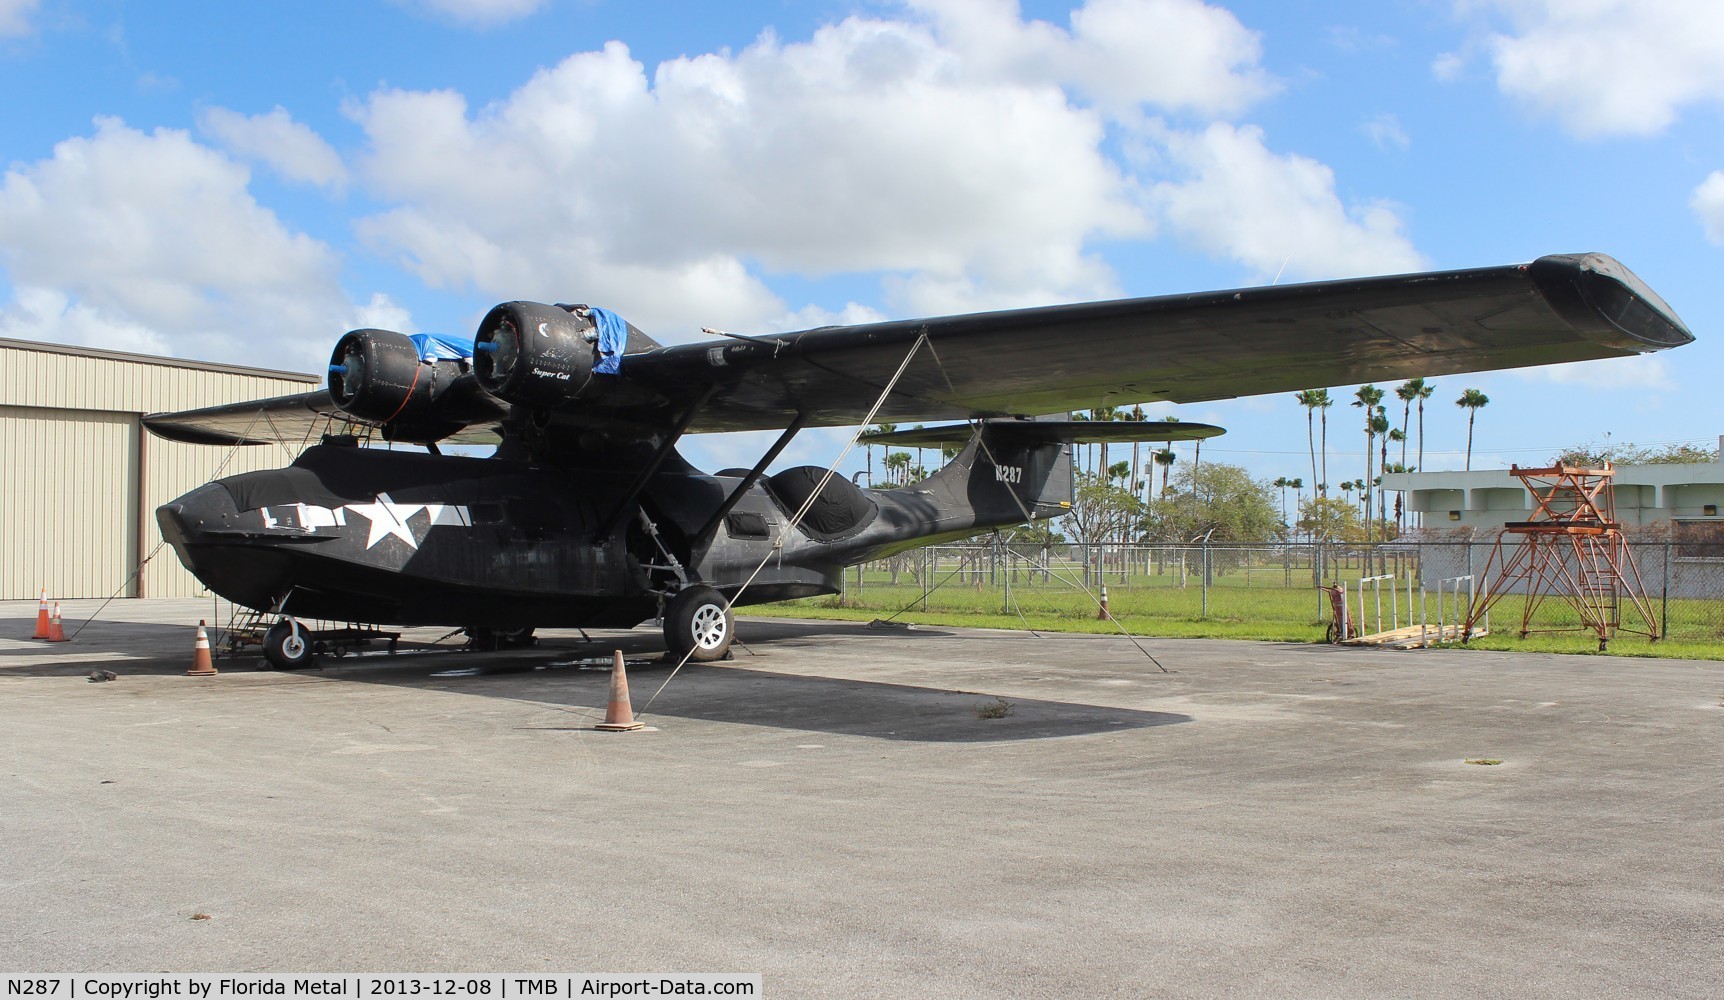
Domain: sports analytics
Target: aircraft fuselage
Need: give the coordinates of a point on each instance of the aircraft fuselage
(370, 535)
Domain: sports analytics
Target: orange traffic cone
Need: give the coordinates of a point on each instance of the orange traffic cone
(42, 617)
(56, 630)
(1102, 613)
(201, 665)
(619, 715)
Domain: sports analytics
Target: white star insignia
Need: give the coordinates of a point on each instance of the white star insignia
(388, 518)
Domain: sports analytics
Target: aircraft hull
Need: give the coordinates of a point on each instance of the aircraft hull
(367, 535)
(409, 539)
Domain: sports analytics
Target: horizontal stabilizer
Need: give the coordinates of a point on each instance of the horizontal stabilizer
(1073, 431)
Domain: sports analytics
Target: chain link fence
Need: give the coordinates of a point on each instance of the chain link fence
(1277, 585)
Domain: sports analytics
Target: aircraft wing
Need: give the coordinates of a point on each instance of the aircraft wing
(289, 420)
(294, 421)
(1183, 348)
(1075, 431)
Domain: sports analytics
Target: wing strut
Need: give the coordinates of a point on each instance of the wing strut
(647, 472)
(711, 527)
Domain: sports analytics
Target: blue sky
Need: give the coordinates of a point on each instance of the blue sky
(243, 182)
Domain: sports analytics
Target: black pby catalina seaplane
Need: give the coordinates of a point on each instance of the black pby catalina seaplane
(586, 515)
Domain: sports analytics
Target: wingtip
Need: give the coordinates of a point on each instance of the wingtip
(1596, 291)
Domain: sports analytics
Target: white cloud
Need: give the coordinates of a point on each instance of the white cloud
(158, 238)
(15, 17)
(810, 317)
(1387, 133)
(383, 313)
(289, 148)
(960, 153)
(866, 148)
(1708, 204)
(1353, 40)
(1449, 66)
(1275, 214)
(478, 13)
(46, 314)
(1643, 371)
(1178, 55)
(1609, 67)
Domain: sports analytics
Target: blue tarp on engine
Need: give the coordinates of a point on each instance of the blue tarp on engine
(435, 348)
(613, 340)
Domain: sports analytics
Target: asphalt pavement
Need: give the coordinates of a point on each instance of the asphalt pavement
(835, 809)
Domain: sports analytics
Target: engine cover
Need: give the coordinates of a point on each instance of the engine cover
(377, 376)
(535, 355)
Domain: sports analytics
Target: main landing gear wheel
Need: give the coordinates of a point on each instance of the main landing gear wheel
(288, 647)
(698, 624)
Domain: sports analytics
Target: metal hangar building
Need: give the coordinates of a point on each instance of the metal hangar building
(80, 478)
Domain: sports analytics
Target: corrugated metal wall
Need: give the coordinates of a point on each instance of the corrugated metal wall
(81, 479)
(68, 509)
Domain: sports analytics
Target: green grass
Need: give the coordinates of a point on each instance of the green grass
(1271, 604)
(1209, 628)
(1622, 645)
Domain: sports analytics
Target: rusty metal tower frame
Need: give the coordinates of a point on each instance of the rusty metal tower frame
(1572, 548)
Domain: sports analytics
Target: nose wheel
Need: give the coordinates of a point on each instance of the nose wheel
(288, 645)
(698, 624)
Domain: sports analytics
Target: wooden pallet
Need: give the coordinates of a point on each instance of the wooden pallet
(1400, 638)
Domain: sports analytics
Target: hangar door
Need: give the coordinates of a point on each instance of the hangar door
(68, 502)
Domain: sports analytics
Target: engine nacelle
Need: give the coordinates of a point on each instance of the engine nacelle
(535, 355)
(378, 377)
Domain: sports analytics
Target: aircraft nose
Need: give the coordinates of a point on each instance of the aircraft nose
(209, 534)
(171, 517)
(190, 518)
(195, 518)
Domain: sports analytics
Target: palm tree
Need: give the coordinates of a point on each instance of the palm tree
(1400, 505)
(1471, 400)
(1136, 480)
(1369, 398)
(1196, 467)
(898, 467)
(1168, 447)
(1165, 458)
(1407, 392)
(1281, 483)
(1104, 413)
(881, 429)
(1393, 435)
(1324, 401)
(1425, 390)
(1313, 400)
(1380, 429)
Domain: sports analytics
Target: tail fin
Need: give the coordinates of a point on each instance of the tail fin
(1016, 470)
(1011, 476)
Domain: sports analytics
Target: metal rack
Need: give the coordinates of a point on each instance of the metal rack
(1572, 548)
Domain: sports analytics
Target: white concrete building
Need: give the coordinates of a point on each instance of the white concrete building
(1483, 500)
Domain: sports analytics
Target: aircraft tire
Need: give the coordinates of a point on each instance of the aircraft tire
(698, 624)
(286, 649)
